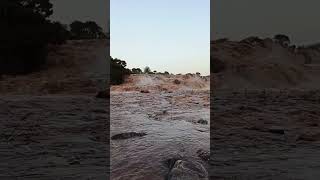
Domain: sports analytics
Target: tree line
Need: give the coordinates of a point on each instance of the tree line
(119, 71)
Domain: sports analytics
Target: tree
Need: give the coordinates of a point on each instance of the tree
(147, 70)
(87, 30)
(136, 71)
(59, 33)
(198, 74)
(94, 30)
(42, 7)
(120, 62)
(282, 39)
(118, 71)
(27, 32)
(76, 28)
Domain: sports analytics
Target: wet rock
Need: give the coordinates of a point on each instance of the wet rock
(276, 130)
(204, 155)
(249, 108)
(103, 94)
(74, 160)
(176, 81)
(186, 170)
(273, 129)
(202, 121)
(127, 135)
(163, 89)
(313, 124)
(202, 130)
(311, 137)
(145, 91)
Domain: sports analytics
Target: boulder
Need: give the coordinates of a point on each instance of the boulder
(202, 121)
(186, 170)
(127, 135)
(103, 94)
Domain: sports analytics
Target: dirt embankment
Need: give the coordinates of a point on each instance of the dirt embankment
(167, 83)
(72, 68)
(255, 63)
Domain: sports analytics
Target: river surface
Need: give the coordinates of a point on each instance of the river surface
(265, 134)
(53, 137)
(170, 121)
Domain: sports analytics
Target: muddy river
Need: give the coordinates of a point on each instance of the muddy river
(161, 126)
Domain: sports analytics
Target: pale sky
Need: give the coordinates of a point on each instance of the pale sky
(166, 35)
(67, 11)
(237, 20)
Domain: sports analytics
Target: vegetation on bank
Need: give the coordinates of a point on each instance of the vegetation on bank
(218, 65)
(119, 71)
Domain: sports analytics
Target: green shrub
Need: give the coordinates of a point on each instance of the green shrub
(136, 71)
(147, 70)
(118, 71)
(87, 30)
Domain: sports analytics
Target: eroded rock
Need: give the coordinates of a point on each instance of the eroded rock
(103, 94)
(127, 135)
(186, 170)
(145, 91)
(311, 137)
(176, 81)
(276, 130)
(204, 155)
(202, 121)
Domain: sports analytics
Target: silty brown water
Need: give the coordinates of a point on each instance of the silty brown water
(170, 124)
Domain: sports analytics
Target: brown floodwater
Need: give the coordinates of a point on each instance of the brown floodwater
(170, 122)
